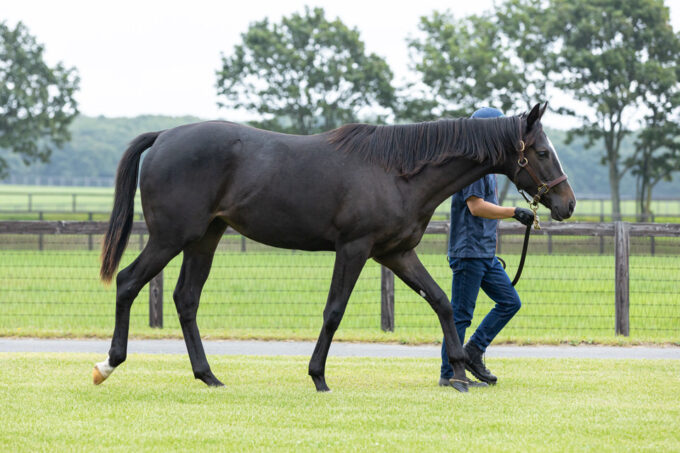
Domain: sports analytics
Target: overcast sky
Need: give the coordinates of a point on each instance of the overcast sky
(159, 57)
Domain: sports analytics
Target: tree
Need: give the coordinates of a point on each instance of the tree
(460, 66)
(657, 153)
(609, 52)
(492, 59)
(303, 75)
(36, 101)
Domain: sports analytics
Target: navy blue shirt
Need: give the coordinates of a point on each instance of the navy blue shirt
(471, 236)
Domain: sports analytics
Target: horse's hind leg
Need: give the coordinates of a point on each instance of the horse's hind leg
(349, 260)
(198, 256)
(408, 267)
(129, 282)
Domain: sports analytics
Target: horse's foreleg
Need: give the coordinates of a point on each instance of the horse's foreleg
(408, 268)
(128, 284)
(349, 260)
(196, 265)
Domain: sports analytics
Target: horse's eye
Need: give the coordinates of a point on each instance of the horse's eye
(542, 154)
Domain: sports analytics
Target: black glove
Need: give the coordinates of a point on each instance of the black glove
(525, 216)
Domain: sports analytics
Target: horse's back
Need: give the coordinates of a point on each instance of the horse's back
(284, 190)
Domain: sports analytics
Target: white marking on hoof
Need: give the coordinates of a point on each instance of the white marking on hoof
(422, 293)
(101, 371)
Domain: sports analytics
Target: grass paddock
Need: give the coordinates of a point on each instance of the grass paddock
(152, 403)
(270, 294)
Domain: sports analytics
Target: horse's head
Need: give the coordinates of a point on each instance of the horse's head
(537, 169)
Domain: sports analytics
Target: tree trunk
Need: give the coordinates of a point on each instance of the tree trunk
(614, 189)
(648, 201)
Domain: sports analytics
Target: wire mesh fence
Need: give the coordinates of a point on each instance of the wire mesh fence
(50, 283)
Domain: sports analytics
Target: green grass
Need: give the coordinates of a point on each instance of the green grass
(272, 294)
(152, 403)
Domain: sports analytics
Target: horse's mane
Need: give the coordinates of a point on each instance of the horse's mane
(407, 148)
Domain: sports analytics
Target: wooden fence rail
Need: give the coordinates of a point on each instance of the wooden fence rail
(621, 231)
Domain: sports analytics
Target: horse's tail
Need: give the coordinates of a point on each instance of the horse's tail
(120, 224)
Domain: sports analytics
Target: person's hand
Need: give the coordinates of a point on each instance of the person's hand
(525, 216)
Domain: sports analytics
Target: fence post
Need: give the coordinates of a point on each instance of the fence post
(156, 301)
(602, 221)
(622, 251)
(90, 243)
(40, 236)
(386, 299)
(652, 244)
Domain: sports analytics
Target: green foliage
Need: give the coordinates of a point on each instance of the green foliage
(657, 153)
(303, 75)
(610, 54)
(36, 101)
(489, 59)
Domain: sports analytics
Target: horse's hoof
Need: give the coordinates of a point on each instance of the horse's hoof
(209, 379)
(214, 382)
(461, 386)
(320, 384)
(97, 376)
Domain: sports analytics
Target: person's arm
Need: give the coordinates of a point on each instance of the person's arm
(480, 208)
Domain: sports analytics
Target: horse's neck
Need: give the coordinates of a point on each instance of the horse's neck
(434, 184)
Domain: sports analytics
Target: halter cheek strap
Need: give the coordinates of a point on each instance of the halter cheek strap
(543, 187)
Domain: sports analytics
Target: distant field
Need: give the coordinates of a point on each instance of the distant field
(281, 295)
(152, 403)
(58, 204)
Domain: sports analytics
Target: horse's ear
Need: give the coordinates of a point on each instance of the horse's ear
(545, 107)
(534, 116)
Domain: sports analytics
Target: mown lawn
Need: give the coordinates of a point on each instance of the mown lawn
(152, 403)
(265, 293)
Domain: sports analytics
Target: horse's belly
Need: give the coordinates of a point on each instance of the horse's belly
(283, 232)
(283, 239)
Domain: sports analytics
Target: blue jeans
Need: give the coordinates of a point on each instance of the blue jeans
(470, 274)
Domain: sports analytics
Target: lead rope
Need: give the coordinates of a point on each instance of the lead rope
(534, 207)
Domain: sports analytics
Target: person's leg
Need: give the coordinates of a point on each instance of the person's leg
(467, 277)
(497, 285)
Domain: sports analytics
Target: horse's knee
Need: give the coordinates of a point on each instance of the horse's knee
(332, 320)
(186, 304)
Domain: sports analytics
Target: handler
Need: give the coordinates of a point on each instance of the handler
(472, 257)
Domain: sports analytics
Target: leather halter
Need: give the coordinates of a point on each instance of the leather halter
(543, 187)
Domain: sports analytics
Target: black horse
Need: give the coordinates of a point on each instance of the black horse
(362, 191)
